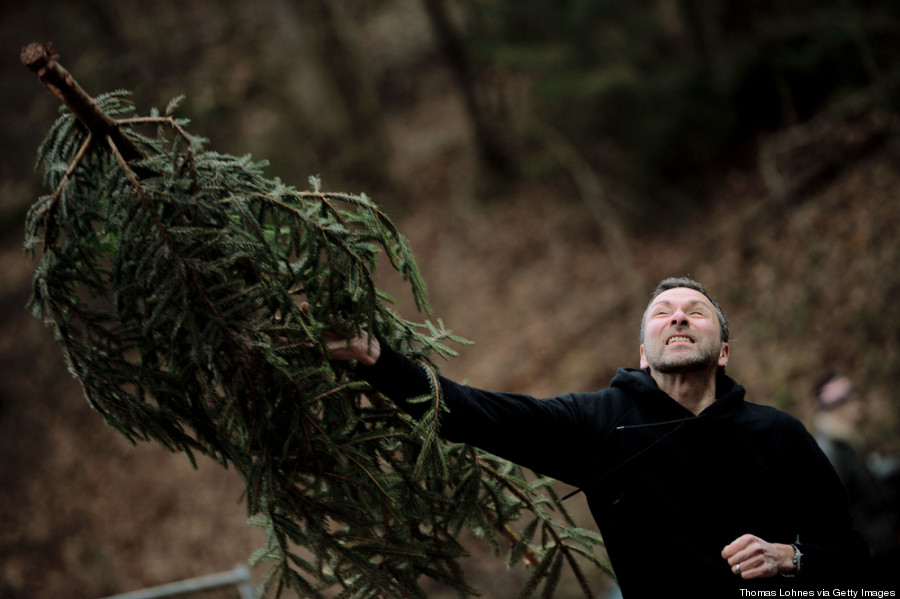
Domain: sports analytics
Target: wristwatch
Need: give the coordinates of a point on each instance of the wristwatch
(798, 556)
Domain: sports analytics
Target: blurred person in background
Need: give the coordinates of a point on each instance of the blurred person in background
(872, 480)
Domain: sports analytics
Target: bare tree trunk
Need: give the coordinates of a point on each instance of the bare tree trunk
(492, 151)
(354, 90)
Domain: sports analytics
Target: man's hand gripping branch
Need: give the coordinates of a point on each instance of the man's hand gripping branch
(362, 348)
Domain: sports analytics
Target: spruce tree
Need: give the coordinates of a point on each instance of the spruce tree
(171, 276)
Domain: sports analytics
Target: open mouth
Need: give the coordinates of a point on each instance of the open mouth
(679, 339)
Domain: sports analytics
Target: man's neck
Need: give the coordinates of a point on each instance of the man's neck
(696, 391)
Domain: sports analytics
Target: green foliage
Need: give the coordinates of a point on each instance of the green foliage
(173, 285)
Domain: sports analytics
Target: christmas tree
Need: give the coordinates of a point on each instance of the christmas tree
(172, 277)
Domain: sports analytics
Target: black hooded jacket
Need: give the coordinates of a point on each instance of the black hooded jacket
(668, 489)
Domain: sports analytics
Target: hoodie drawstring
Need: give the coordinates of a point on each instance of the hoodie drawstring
(680, 422)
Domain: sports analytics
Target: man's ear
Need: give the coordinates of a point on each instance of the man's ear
(644, 363)
(723, 355)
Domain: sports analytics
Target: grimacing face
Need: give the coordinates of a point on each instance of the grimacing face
(682, 333)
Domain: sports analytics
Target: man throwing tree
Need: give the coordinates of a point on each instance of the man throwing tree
(696, 491)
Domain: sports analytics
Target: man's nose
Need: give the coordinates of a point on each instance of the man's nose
(679, 317)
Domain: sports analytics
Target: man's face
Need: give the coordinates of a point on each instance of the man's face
(682, 333)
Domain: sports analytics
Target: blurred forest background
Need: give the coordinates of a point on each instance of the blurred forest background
(550, 162)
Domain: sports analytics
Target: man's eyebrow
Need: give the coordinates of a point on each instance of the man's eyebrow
(691, 304)
(659, 303)
(699, 302)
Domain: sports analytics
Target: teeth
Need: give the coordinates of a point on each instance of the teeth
(678, 339)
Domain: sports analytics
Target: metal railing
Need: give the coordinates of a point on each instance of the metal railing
(238, 582)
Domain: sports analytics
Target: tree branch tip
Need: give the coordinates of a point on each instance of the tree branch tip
(36, 55)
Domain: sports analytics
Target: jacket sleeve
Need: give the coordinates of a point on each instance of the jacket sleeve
(832, 547)
(540, 434)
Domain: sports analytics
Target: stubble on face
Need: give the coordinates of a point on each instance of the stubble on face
(701, 358)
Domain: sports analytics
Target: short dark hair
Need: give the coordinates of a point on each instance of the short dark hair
(687, 283)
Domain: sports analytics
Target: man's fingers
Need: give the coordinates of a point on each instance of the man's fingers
(756, 568)
(739, 544)
(345, 342)
(752, 557)
(740, 555)
(745, 554)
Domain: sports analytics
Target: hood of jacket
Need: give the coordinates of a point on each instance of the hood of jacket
(655, 407)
